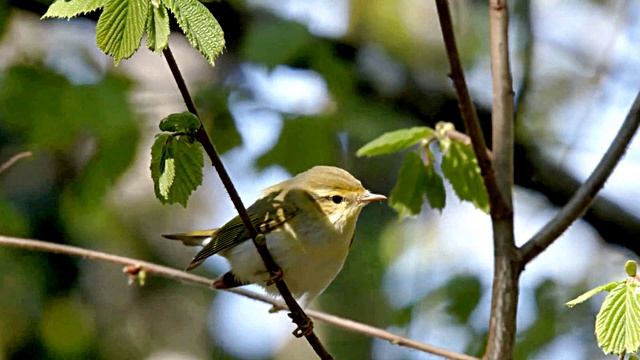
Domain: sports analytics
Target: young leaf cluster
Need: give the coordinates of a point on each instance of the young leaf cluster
(124, 22)
(176, 159)
(420, 176)
(617, 324)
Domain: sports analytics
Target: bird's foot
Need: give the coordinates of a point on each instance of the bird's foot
(275, 277)
(304, 329)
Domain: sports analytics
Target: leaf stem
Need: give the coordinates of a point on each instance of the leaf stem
(188, 278)
(298, 315)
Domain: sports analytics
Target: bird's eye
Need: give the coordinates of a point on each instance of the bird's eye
(337, 199)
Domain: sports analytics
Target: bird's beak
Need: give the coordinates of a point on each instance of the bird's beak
(369, 198)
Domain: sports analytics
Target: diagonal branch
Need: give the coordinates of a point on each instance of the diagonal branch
(188, 278)
(468, 111)
(582, 199)
(305, 325)
(15, 158)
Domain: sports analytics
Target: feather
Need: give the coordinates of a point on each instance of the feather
(192, 238)
(266, 214)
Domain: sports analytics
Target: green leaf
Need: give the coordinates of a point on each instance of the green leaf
(303, 143)
(68, 9)
(121, 26)
(460, 167)
(395, 141)
(435, 188)
(618, 321)
(463, 293)
(407, 195)
(292, 38)
(589, 294)
(213, 109)
(199, 26)
(184, 122)
(158, 27)
(176, 168)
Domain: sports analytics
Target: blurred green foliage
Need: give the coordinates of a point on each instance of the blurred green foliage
(86, 137)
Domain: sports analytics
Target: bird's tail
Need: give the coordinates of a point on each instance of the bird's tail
(193, 238)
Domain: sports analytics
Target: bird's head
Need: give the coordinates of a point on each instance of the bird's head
(338, 194)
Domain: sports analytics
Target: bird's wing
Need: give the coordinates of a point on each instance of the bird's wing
(266, 214)
(192, 238)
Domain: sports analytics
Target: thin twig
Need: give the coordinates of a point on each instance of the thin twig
(467, 109)
(305, 326)
(581, 200)
(188, 278)
(463, 138)
(15, 158)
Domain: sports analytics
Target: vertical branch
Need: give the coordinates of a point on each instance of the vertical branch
(304, 323)
(467, 110)
(507, 268)
(502, 107)
(502, 326)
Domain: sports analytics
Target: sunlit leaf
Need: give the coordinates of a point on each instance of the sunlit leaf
(158, 27)
(67, 9)
(176, 168)
(460, 167)
(589, 294)
(199, 26)
(121, 26)
(618, 321)
(407, 195)
(395, 141)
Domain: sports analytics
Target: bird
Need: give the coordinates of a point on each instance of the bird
(309, 225)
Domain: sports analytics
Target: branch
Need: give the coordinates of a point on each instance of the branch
(468, 111)
(188, 278)
(507, 268)
(587, 192)
(9, 163)
(502, 107)
(305, 325)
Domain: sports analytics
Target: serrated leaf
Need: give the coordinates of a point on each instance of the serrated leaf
(176, 168)
(199, 26)
(167, 175)
(589, 294)
(618, 321)
(67, 9)
(158, 27)
(121, 26)
(460, 167)
(184, 122)
(407, 195)
(436, 193)
(395, 141)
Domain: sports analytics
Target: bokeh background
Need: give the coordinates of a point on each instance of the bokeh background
(301, 83)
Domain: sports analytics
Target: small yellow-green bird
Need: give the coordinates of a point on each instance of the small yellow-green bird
(309, 223)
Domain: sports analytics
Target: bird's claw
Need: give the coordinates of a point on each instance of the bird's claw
(277, 275)
(304, 329)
